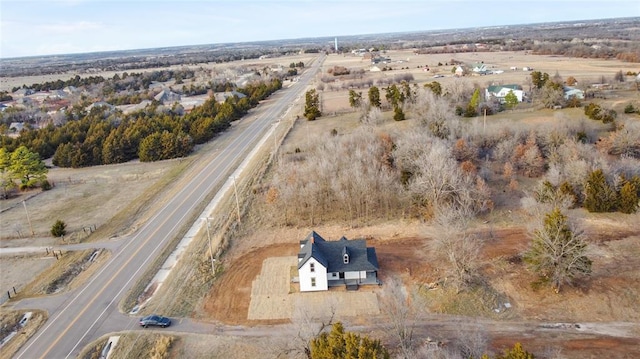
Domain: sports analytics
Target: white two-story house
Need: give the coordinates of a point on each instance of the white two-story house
(323, 264)
(500, 91)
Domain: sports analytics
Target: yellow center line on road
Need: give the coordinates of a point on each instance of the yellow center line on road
(62, 334)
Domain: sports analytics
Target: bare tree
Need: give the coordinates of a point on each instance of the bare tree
(434, 112)
(437, 179)
(471, 341)
(370, 116)
(400, 311)
(309, 324)
(351, 177)
(455, 245)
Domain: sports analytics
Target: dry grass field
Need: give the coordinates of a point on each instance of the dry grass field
(101, 195)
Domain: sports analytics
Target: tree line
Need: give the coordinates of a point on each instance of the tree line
(104, 137)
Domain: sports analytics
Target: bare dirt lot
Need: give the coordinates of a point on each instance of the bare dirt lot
(604, 297)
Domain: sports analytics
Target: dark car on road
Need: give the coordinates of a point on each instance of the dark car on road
(155, 320)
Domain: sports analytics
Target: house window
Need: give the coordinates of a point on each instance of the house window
(312, 267)
(313, 282)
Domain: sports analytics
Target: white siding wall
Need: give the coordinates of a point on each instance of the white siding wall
(505, 91)
(305, 275)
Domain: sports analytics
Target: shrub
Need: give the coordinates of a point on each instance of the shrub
(46, 185)
(59, 229)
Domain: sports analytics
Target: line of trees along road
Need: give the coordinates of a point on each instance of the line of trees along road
(104, 137)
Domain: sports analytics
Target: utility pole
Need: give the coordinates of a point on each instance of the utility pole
(213, 271)
(235, 190)
(275, 145)
(28, 219)
(484, 122)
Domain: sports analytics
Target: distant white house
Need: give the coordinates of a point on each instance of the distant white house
(480, 68)
(500, 91)
(323, 264)
(459, 71)
(572, 92)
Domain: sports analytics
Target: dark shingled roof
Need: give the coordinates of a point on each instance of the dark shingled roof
(330, 254)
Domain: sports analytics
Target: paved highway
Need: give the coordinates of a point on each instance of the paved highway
(77, 318)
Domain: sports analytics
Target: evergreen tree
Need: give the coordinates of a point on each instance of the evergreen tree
(435, 87)
(27, 167)
(628, 197)
(398, 114)
(339, 344)
(517, 352)
(151, 148)
(557, 254)
(6, 176)
(312, 105)
(539, 79)
(374, 97)
(394, 96)
(511, 100)
(59, 229)
(599, 195)
(355, 99)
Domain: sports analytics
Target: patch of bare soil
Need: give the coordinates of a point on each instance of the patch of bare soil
(228, 300)
(611, 293)
(553, 345)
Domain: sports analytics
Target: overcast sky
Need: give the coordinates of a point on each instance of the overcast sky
(45, 27)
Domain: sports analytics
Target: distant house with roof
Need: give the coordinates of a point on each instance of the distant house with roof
(223, 96)
(16, 127)
(572, 92)
(458, 71)
(323, 264)
(499, 92)
(166, 96)
(480, 68)
(101, 104)
(70, 90)
(21, 92)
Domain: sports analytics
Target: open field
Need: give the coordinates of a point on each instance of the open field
(240, 297)
(85, 197)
